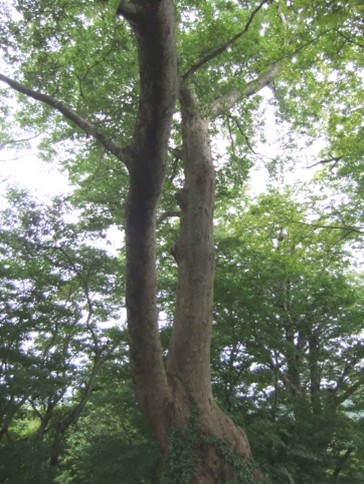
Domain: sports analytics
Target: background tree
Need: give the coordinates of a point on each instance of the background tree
(57, 289)
(111, 441)
(288, 351)
(121, 112)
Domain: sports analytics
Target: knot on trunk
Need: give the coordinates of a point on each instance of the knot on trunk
(176, 252)
(182, 198)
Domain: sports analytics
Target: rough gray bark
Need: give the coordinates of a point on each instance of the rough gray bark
(189, 351)
(165, 398)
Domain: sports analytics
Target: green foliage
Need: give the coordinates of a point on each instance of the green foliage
(182, 460)
(110, 442)
(25, 461)
(287, 352)
(244, 473)
(57, 288)
(105, 447)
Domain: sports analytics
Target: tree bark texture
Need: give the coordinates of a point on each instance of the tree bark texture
(153, 23)
(167, 397)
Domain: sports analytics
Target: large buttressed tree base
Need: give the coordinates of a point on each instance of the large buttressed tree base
(173, 395)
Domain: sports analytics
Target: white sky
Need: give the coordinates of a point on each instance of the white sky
(43, 179)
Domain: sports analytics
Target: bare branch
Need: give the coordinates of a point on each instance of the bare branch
(349, 392)
(224, 46)
(69, 114)
(358, 44)
(177, 152)
(349, 366)
(12, 158)
(243, 134)
(12, 142)
(341, 462)
(345, 228)
(334, 159)
(166, 215)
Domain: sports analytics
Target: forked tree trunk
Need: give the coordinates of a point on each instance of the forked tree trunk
(175, 397)
(170, 399)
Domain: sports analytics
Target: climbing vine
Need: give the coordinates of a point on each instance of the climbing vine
(182, 460)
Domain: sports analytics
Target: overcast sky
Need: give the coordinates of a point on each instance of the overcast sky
(28, 171)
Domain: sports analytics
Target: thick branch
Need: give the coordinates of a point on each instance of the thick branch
(341, 463)
(224, 46)
(349, 392)
(68, 113)
(228, 101)
(130, 11)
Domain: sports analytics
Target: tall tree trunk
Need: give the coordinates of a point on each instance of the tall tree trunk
(315, 377)
(153, 23)
(189, 351)
(170, 399)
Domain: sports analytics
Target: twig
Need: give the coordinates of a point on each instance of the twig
(224, 46)
(348, 39)
(352, 228)
(247, 141)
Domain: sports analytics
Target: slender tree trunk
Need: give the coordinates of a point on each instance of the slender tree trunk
(315, 377)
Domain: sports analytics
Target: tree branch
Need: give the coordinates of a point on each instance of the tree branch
(166, 215)
(358, 44)
(340, 464)
(224, 46)
(349, 392)
(11, 142)
(237, 124)
(263, 79)
(332, 159)
(344, 228)
(69, 114)
(346, 371)
(229, 100)
(130, 11)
